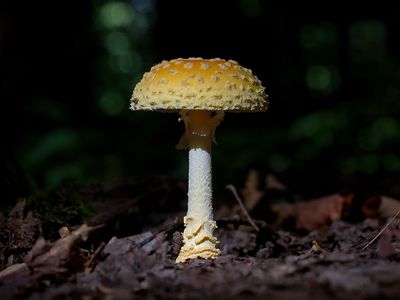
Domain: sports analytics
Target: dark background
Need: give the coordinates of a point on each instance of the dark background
(332, 72)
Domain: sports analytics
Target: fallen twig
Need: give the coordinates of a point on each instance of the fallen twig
(235, 194)
(382, 230)
(90, 263)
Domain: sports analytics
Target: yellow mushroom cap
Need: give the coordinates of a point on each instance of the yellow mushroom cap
(199, 84)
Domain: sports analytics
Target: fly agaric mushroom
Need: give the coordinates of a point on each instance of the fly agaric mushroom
(200, 90)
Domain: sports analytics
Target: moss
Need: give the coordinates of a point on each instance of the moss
(62, 208)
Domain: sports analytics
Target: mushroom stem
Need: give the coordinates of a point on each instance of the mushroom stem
(198, 236)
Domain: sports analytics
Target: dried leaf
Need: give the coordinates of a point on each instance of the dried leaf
(23, 231)
(390, 222)
(251, 192)
(381, 207)
(316, 247)
(314, 214)
(53, 258)
(385, 247)
(274, 183)
(13, 269)
(18, 233)
(64, 232)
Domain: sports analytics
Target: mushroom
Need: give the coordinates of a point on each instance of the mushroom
(201, 90)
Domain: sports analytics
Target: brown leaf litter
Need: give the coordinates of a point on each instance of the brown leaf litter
(142, 266)
(18, 233)
(268, 263)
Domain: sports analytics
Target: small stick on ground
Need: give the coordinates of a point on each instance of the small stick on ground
(382, 230)
(235, 194)
(90, 263)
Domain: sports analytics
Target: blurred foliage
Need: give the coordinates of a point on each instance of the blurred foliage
(333, 84)
(325, 137)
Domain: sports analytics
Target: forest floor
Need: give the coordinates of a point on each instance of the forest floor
(126, 248)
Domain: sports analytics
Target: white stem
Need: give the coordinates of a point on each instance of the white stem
(198, 236)
(200, 185)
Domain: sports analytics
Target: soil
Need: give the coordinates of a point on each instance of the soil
(126, 250)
